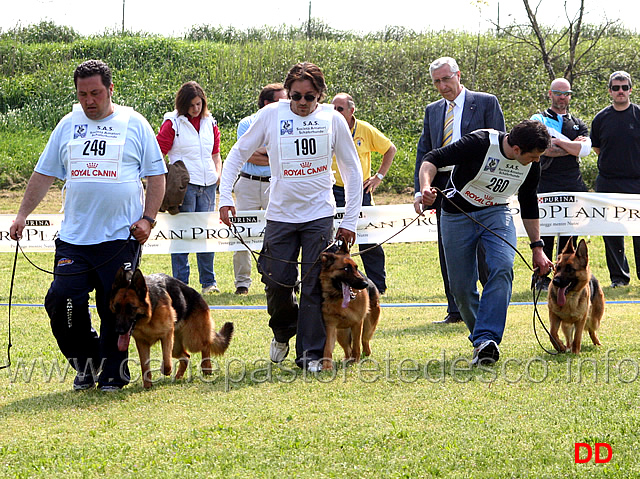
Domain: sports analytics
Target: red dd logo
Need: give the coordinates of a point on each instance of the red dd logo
(598, 458)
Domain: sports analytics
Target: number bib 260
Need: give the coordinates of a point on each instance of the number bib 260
(498, 179)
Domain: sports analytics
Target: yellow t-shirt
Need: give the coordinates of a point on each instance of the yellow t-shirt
(367, 138)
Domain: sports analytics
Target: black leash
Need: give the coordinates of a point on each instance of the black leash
(13, 276)
(536, 313)
(256, 254)
(85, 271)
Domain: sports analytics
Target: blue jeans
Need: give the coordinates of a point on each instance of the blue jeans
(196, 199)
(485, 316)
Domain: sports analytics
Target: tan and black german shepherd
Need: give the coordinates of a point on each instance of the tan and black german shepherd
(576, 300)
(350, 307)
(158, 307)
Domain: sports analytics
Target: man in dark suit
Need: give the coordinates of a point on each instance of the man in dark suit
(460, 111)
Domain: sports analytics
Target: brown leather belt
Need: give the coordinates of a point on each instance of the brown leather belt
(255, 178)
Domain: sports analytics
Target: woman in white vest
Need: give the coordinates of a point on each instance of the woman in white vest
(190, 133)
(301, 136)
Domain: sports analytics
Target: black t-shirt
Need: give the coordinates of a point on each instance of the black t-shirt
(562, 173)
(617, 134)
(468, 154)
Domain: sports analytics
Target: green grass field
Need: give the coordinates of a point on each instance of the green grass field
(414, 409)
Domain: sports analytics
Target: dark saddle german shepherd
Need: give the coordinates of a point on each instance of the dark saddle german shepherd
(576, 300)
(350, 307)
(158, 307)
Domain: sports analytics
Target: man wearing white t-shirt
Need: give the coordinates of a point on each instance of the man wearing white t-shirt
(101, 150)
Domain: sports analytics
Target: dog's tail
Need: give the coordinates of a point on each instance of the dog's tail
(222, 339)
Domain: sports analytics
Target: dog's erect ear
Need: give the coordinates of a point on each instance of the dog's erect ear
(327, 259)
(121, 280)
(568, 248)
(344, 247)
(139, 284)
(582, 251)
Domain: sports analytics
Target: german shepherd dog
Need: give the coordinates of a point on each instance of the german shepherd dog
(350, 307)
(576, 300)
(158, 307)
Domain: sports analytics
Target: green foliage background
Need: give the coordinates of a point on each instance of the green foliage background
(386, 72)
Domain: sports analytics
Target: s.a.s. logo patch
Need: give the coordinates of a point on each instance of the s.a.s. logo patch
(80, 131)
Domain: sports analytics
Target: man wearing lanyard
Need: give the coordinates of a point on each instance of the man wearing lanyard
(490, 167)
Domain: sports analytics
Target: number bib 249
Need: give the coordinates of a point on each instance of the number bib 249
(96, 147)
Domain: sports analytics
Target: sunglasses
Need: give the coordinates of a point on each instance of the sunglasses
(561, 93)
(339, 108)
(297, 97)
(617, 87)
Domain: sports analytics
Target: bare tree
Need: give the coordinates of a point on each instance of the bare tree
(567, 48)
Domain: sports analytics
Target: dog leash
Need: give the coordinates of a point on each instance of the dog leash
(255, 254)
(536, 313)
(136, 259)
(13, 276)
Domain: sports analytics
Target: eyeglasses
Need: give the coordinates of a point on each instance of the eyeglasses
(561, 93)
(439, 80)
(617, 87)
(339, 108)
(297, 97)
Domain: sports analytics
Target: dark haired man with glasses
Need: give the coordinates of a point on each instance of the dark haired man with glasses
(458, 112)
(615, 135)
(560, 163)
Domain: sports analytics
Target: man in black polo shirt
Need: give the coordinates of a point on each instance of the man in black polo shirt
(615, 135)
(490, 167)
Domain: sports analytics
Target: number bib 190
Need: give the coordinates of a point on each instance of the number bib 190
(303, 144)
(498, 179)
(96, 147)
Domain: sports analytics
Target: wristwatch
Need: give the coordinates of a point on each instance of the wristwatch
(537, 244)
(151, 221)
(380, 176)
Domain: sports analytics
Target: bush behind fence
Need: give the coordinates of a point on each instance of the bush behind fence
(387, 74)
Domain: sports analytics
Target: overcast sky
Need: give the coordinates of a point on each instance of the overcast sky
(174, 18)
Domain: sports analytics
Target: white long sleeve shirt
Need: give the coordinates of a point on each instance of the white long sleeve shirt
(300, 152)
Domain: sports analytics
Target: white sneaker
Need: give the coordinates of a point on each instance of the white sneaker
(278, 351)
(314, 366)
(210, 289)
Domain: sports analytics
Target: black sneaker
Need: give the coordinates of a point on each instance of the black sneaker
(618, 284)
(487, 353)
(242, 290)
(83, 381)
